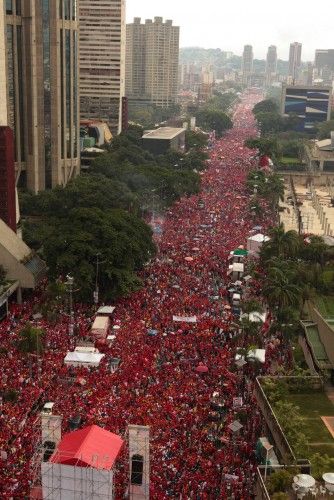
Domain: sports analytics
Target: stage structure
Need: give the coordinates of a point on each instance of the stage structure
(139, 457)
(82, 466)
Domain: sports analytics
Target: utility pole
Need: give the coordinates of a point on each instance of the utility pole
(96, 292)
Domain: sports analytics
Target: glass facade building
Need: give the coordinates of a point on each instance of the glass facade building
(311, 104)
(41, 38)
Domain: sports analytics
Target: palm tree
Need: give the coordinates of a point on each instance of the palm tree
(280, 291)
(273, 189)
(251, 329)
(31, 340)
(283, 244)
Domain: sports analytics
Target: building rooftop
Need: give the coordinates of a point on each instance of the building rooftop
(164, 133)
(325, 145)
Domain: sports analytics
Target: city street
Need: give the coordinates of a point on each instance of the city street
(169, 369)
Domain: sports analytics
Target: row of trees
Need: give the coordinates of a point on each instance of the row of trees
(148, 116)
(213, 114)
(98, 215)
(270, 121)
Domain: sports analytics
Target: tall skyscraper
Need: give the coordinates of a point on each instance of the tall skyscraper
(271, 64)
(295, 56)
(247, 63)
(324, 58)
(3, 69)
(41, 74)
(102, 60)
(152, 59)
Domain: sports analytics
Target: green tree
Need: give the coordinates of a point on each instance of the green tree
(282, 243)
(266, 146)
(251, 305)
(315, 250)
(291, 421)
(251, 329)
(221, 101)
(213, 120)
(269, 123)
(321, 464)
(279, 291)
(123, 241)
(195, 140)
(273, 189)
(31, 339)
(279, 481)
(324, 129)
(266, 106)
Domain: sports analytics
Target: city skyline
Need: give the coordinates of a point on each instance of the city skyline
(208, 30)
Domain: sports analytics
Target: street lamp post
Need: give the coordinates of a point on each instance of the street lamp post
(70, 283)
(96, 292)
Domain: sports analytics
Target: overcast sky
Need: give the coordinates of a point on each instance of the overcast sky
(230, 24)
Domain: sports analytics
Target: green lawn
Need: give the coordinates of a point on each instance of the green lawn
(325, 305)
(312, 407)
(289, 160)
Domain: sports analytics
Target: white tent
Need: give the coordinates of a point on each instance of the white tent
(83, 358)
(257, 317)
(105, 310)
(237, 270)
(254, 243)
(258, 354)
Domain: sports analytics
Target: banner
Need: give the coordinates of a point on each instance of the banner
(185, 319)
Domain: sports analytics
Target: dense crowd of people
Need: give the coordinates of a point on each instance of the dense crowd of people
(194, 453)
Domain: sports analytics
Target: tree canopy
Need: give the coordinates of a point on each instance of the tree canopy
(324, 129)
(209, 119)
(98, 213)
(266, 106)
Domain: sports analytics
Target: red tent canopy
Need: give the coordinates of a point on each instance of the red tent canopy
(88, 447)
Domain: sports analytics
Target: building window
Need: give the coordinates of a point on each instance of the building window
(137, 467)
(75, 93)
(20, 88)
(47, 93)
(11, 81)
(61, 50)
(67, 9)
(68, 54)
(9, 7)
(74, 10)
(18, 7)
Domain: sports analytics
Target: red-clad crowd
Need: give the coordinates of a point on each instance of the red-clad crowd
(194, 454)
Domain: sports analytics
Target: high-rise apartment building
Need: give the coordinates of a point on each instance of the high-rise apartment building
(324, 65)
(295, 56)
(42, 102)
(324, 58)
(152, 59)
(271, 64)
(247, 63)
(102, 60)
